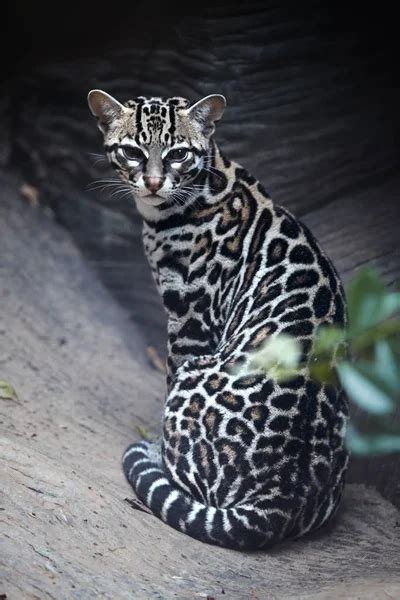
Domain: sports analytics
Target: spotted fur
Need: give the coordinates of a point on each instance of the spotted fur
(244, 461)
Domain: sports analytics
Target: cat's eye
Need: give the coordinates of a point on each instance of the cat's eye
(177, 155)
(132, 153)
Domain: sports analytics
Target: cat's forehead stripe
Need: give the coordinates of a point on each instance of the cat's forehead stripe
(155, 118)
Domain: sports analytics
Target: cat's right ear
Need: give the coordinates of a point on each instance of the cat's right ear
(105, 108)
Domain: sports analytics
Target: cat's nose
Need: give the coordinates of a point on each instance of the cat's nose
(153, 183)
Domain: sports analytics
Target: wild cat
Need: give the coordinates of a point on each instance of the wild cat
(244, 461)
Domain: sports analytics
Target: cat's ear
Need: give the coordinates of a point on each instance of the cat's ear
(105, 108)
(206, 111)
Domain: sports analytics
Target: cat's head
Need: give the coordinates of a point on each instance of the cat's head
(157, 145)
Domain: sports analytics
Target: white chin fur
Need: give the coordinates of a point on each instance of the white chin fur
(148, 207)
(156, 201)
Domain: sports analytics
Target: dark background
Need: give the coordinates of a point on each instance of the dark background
(313, 111)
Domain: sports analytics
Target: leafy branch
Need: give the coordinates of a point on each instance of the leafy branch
(371, 378)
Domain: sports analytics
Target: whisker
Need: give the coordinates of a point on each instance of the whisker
(97, 158)
(117, 192)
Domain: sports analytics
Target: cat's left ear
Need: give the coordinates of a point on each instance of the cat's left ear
(206, 111)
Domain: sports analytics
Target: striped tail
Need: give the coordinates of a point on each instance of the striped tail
(244, 527)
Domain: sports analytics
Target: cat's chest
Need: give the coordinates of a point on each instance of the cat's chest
(191, 250)
(181, 257)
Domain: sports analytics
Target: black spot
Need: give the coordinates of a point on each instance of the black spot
(215, 383)
(214, 274)
(266, 389)
(237, 316)
(297, 315)
(276, 441)
(198, 273)
(322, 472)
(241, 173)
(329, 271)
(211, 421)
(339, 316)
(297, 426)
(185, 349)
(228, 450)
(229, 400)
(190, 383)
(269, 326)
(263, 442)
(243, 383)
(284, 401)
(279, 424)
(293, 447)
(299, 329)
(173, 302)
(230, 472)
(290, 228)
(196, 295)
(322, 302)
(320, 432)
(263, 224)
(304, 278)
(174, 403)
(182, 464)
(203, 304)
(272, 459)
(238, 427)
(322, 450)
(193, 329)
(276, 251)
(301, 254)
(326, 411)
(312, 389)
(170, 456)
(291, 301)
(295, 383)
(270, 294)
(258, 415)
(259, 459)
(196, 403)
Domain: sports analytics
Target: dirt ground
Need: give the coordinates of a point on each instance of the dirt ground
(84, 384)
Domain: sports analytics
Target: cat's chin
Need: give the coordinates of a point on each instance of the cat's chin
(150, 207)
(152, 200)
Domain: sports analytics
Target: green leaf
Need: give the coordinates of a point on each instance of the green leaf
(7, 392)
(369, 303)
(363, 294)
(327, 339)
(386, 367)
(321, 370)
(364, 389)
(365, 445)
(390, 304)
(144, 433)
(388, 329)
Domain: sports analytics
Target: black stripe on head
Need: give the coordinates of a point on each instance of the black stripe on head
(172, 119)
(138, 121)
